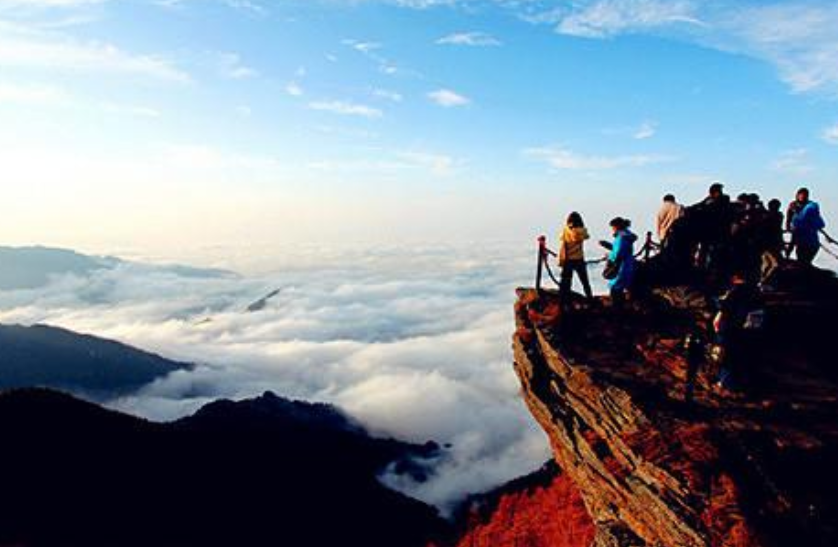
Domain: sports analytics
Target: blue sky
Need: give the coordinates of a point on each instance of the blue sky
(166, 123)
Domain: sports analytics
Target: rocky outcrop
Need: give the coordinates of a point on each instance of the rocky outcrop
(745, 469)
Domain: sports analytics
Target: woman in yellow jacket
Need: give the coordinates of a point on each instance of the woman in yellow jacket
(572, 255)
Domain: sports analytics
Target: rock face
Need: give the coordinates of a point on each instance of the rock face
(745, 469)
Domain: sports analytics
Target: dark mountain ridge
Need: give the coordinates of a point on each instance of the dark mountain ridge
(266, 471)
(45, 356)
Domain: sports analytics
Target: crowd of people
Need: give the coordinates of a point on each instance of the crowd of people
(719, 236)
(735, 246)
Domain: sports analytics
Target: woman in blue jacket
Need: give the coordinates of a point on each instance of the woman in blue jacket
(622, 260)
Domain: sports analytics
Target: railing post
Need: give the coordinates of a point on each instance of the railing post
(542, 253)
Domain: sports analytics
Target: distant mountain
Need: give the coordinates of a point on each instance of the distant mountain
(263, 302)
(34, 267)
(43, 356)
(267, 471)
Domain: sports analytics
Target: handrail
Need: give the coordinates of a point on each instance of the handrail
(544, 254)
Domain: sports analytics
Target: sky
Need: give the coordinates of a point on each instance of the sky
(172, 128)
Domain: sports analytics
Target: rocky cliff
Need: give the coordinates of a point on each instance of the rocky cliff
(754, 467)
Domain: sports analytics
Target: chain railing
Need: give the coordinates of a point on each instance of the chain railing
(650, 247)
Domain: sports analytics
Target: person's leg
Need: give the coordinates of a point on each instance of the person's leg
(806, 253)
(582, 272)
(618, 298)
(566, 281)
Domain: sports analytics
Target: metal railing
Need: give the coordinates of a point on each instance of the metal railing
(650, 247)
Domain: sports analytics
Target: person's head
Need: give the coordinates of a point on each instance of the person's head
(619, 224)
(669, 198)
(774, 205)
(574, 220)
(716, 189)
(802, 195)
(743, 198)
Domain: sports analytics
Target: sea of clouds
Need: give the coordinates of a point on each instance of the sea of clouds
(415, 343)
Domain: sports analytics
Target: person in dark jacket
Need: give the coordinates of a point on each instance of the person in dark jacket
(772, 242)
(713, 218)
(731, 326)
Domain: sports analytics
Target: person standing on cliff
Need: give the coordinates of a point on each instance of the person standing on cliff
(572, 256)
(714, 214)
(735, 319)
(772, 239)
(622, 264)
(806, 225)
(800, 200)
(669, 212)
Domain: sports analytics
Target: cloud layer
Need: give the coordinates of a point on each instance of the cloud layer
(415, 345)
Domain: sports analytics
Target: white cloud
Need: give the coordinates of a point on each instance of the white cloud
(388, 95)
(474, 39)
(362, 46)
(448, 98)
(794, 162)
(132, 110)
(413, 342)
(346, 108)
(294, 89)
(437, 164)
(371, 51)
(243, 5)
(246, 5)
(646, 130)
(26, 49)
(565, 159)
(610, 17)
(393, 163)
(798, 39)
(230, 65)
(10, 4)
(830, 134)
(32, 94)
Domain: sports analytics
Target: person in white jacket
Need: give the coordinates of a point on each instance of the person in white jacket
(669, 212)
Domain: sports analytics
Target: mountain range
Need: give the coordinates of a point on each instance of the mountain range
(265, 471)
(44, 356)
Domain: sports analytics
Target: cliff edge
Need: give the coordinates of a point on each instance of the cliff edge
(754, 467)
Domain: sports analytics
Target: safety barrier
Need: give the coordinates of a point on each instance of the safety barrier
(649, 248)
